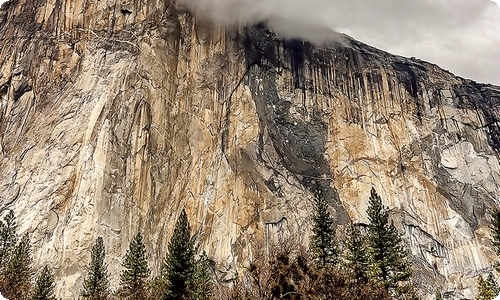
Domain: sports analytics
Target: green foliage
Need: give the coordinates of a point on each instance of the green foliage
(134, 277)
(389, 259)
(202, 284)
(17, 273)
(44, 286)
(492, 283)
(323, 245)
(8, 237)
(357, 257)
(96, 284)
(178, 269)
(439, 296)
(159, 286)
(486, 289)
(375, 266)
(495, 230)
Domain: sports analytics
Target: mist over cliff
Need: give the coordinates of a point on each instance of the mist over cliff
(431, 30)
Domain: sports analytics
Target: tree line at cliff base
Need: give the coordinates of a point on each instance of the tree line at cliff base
(371, 264)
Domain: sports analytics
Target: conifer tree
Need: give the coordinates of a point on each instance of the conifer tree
(96, 284)
(44, 286)
(179, 265)
(492, 283)
(159, 285)
(323, 243)
(8, 237)
(134, 277)
(202, 285)
(17, 274)
(357, 256)
(389, 259)
(486, 291)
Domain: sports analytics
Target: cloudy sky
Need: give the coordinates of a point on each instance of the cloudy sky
(462, 36)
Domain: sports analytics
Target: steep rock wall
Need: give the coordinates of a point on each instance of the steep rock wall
(115, 115)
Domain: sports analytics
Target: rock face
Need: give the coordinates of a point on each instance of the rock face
(115, 115)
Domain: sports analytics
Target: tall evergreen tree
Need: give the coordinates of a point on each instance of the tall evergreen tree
(357, 256)
(44, 286)
(8, 237)
(486, 291)
(179, 265)
(202, 284)
(389, 259)
(96, 284)
(134, 277)
(495, 230)
(323, 243)
(17, 274)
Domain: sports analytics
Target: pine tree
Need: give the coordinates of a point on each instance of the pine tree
(323, 243)
(159, 286)
(8, 237)
(389, 259)
(17, 274)
(492, 283)
(202, 285)
(134, 277)
(178, 268)
(357, 256)
(495, 230)
(486, 291)
(44, 286)
(96, 284)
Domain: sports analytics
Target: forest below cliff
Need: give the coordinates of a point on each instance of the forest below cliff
(369, 262)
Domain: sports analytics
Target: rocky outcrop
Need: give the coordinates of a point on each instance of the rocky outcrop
(115, 115)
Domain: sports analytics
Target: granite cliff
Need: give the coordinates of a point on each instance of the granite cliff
(115, 115)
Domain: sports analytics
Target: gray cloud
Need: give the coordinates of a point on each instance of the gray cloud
(460, 35)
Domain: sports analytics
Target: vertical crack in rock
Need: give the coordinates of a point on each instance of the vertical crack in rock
(410, 74)
(485, 99)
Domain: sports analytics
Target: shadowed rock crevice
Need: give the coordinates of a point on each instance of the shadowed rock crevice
(300, 144)
(485, 99)
(411, 74)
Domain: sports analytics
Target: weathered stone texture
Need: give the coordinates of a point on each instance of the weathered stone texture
(116, 115)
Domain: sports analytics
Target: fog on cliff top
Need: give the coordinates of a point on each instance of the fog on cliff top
(460, 35)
